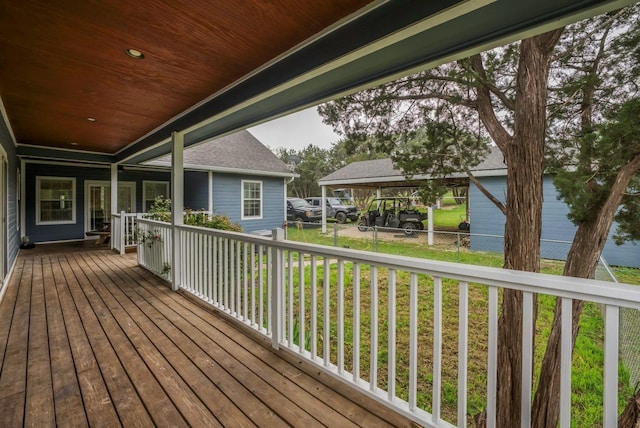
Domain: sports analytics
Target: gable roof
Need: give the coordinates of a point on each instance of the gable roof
(382, 173)
(238, 153)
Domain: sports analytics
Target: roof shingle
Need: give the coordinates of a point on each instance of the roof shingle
(240, 151)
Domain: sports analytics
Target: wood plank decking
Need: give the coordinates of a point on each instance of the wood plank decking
(88, 338)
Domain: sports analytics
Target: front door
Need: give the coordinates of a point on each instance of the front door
(98, 202)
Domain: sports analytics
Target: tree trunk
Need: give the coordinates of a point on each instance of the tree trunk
(581, 263)
(630, 418)
(525, 165)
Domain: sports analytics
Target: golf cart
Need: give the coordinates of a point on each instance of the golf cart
(395, 213)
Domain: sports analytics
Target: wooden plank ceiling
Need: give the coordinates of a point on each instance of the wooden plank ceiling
(214, 67)
(62, 63)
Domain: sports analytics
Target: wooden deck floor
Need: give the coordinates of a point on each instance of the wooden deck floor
(88, 338)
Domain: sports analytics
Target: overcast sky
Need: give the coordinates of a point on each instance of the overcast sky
(296, 131)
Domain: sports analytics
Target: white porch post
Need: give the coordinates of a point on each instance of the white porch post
(114, 200)
(277, 291)
(324, 209)
(23, 202)
(430, 225)
(210, 192)
(177, 205)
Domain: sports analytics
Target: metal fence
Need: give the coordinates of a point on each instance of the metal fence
(460, 245)
(629, 329)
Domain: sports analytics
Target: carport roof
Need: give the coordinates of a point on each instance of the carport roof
(381, 173)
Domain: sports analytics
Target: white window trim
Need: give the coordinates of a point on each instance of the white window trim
(144, 192)
(132, 185)
(242, 216)
(74, 196)
(89, 183)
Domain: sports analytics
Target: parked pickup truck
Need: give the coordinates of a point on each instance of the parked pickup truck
(337, 209)
(299, 210)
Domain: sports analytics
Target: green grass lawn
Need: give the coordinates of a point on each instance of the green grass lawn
(449, 216)
(588, 358)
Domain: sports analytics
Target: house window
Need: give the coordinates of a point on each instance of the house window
(55, 200)
(152, 190)
(251, 199)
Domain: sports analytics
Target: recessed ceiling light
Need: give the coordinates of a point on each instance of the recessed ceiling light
(74, 144)
(133, 53)
(91, 119)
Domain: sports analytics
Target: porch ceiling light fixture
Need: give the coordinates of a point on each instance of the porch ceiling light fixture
(134, 53)
(91, 119)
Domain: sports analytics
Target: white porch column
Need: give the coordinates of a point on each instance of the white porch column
(114, 199)
(430, 225)
(277, 291)
(324, 209)
(23, 202)
(177, 205)
(210, 193)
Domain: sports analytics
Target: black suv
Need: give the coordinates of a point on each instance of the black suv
(301, 211)
(337, 209)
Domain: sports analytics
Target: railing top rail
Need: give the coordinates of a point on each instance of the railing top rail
(154, 222)
(605, 292)
(118, 215)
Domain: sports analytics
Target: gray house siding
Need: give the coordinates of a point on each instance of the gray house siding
(486, 219)
(227, 193)
(13, 221)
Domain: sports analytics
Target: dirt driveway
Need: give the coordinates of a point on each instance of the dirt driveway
(443, 238)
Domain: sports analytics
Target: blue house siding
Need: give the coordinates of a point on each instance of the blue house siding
(196, 190)
(487, 219)
(195, 193)
(58, 232)
(139, 176)
(13, 221)
(227, 196)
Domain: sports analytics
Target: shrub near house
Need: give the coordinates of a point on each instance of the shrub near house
(161, 211)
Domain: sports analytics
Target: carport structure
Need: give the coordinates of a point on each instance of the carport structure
(378, 174)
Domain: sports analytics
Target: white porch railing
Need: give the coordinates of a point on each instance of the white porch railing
(359, 316)
(155, 246)
(123, 230)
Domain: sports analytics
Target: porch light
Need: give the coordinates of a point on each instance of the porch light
(91, 119)
(133, 53)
